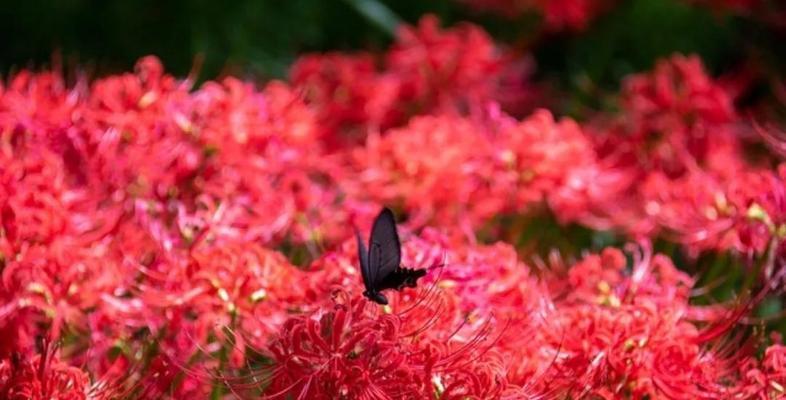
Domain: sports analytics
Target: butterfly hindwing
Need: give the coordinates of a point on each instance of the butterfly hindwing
(384, 248)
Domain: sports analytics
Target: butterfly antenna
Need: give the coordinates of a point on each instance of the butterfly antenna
(440, 265)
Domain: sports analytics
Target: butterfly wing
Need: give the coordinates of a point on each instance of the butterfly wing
(363, 258)
(385, 248)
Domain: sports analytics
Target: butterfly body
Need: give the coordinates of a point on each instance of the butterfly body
(380, 265)
(402, 278)
(376, 297)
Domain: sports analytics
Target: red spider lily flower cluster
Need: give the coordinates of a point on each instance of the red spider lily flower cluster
(348, 352)
(428, 70)
(595, 328)
(502, 166)
(181, 241)
(676, 154)
(44, 376)
(38, 379)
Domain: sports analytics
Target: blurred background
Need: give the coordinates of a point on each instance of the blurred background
(260, 39)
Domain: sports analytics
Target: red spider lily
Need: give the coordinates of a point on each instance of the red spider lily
(537, 155)
(348, 93)
(37, 105)
(428, 70)
(628, 334)
(129, 118)
(238, 282)
(146, 224)
(48, 269)
(558, 15)
(232, 284)
(679, 118)
(34, 196)
(45, 376)
(598, 196)
(434, 161)
(349, 352)
(681, 86)
(266, 162)
(764, 380)
(445, 70)
(201, 143)
(342, 353)
(53, 285)
(678, 137)
(742, 212)
(429, 164)
(476, 295)
(571, 15)
(694, 208)
(762, 199)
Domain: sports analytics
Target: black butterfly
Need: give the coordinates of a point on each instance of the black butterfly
(381, 265)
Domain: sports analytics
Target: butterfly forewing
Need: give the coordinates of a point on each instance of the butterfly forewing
(384, 248)
(363, 258)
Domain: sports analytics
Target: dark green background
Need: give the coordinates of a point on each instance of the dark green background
(261, 38)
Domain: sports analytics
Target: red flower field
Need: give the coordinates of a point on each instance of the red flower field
(160, 239)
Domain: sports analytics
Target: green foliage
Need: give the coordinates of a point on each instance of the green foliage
(244, 37)
(261, 38)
